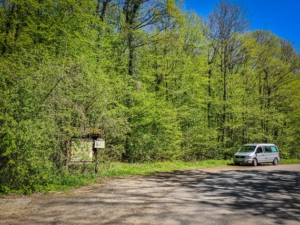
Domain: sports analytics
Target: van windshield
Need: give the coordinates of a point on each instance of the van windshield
(247, 148)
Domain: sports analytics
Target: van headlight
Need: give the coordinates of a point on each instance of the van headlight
(248, 157)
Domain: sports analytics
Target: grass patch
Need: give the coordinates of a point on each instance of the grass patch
(68, 182)
(289, 161)
(125, 169)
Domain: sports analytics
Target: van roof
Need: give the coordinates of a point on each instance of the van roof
(267, 144)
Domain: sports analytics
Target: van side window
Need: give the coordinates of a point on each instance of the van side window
(268, 149)
(259, 150)
(274, 149)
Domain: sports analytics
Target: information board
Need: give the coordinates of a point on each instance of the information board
(99, 144)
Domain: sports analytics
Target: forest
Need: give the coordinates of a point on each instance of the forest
(161, 82)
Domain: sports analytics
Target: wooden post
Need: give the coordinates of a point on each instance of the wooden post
(96, 159)
(68, 145)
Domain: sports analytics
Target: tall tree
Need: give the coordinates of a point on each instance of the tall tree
(226, 23)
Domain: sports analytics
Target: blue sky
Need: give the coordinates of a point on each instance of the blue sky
(281, 17)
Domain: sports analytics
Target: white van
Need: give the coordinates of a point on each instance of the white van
(257, 153)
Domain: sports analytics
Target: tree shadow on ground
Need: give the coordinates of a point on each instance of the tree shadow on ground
(271, 194)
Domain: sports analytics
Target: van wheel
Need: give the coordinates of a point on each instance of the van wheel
(275, 162)
(254, 162)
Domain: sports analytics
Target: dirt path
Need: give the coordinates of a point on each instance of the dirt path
(168, 198)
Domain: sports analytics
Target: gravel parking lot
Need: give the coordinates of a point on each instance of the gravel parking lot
(226, 195)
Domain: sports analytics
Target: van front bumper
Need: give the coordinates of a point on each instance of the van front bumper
(243, 161)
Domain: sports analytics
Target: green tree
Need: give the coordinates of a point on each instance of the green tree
(226, 24)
